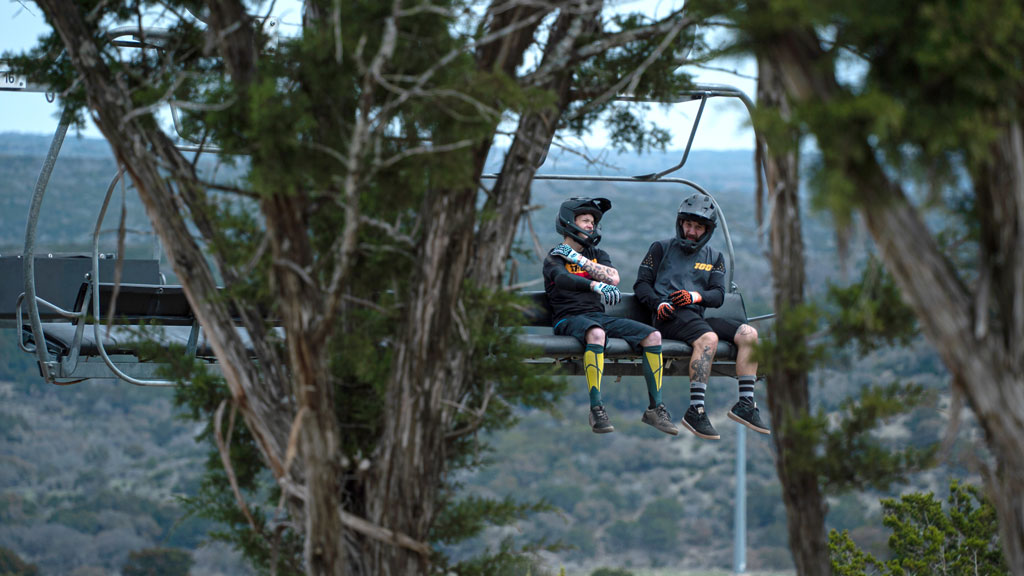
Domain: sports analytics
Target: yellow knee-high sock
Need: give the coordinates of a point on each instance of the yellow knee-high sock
(593, 366)
(653, 373)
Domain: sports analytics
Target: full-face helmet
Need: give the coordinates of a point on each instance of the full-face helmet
(565, 222)
(700, 208)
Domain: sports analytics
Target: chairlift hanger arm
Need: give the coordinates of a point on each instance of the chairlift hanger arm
(699, 92)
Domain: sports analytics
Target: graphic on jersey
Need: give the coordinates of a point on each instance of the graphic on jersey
(577, 270)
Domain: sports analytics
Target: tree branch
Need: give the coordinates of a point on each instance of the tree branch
(225, 458)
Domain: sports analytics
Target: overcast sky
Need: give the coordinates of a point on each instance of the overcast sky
(723, 124)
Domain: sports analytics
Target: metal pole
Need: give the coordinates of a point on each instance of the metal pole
(28, 255)
(739, 552)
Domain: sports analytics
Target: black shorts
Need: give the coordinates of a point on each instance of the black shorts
(687, 325)
(631, 331)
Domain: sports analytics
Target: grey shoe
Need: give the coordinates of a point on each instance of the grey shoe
(745, 412)
(660, 418)
(697, 421)
(599, 421)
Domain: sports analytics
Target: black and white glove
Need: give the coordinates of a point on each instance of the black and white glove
(610, 294)
(566, 251)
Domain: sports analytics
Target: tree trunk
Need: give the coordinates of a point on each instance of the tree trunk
(788, 394)
(431, 369)
(999, 327)
(403, 492)
(319, 441)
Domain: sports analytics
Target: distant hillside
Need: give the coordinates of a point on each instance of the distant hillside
(35, 145)
(81, 176)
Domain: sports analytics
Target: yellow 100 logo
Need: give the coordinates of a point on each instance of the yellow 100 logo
(702, 266)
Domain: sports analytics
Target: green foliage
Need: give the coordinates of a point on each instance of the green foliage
(787, 342)
(506, 560)
(662, 81)
(158, 562)
(466, 518)
(12, 565)
(854, 458)
(627, 130)
(871, 312)
(958, 539)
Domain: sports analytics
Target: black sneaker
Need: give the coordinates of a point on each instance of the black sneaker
(599, 420)
(745, 412)
(660, 418)
(697, 421)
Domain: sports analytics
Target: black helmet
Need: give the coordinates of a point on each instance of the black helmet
(701, 208)
(565, 222)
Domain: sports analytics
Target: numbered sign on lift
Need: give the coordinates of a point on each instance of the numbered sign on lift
(11, 81)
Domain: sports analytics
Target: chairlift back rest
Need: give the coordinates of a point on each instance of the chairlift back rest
(139, 303)
(59, 277)
(630, 307)
(164, 305)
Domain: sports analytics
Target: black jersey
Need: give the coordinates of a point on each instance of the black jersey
(667, 268)
(568, 286)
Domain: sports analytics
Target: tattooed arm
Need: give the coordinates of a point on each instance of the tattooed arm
(600, 271)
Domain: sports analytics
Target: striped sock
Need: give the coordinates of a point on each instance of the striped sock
(697, 391)
(746, 386)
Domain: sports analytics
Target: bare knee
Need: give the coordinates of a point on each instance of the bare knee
(596, 336)
(705, 341)
(746, 336)
(653, 339)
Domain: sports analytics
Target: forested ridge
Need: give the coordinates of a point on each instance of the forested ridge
(97, 466)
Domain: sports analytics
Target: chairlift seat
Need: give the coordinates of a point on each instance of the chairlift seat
(620, 359)
(123, 341)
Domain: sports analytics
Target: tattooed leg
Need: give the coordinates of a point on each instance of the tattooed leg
(700, 366)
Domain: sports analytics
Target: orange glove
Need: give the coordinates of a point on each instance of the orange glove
(665, 311)
(682, 298)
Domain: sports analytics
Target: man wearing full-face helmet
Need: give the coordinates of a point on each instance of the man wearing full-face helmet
(680, 277)
(579, 281)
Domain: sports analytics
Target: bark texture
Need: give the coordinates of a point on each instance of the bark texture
(431, 365)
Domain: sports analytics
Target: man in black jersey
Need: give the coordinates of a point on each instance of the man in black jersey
(579, 281)
(678, 278)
